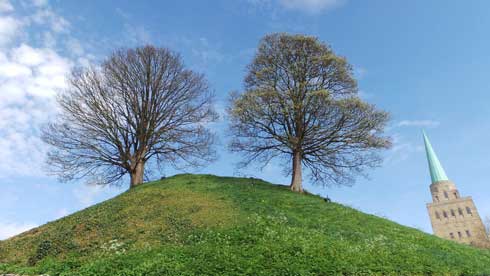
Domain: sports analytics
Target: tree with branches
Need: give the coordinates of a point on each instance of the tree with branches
(300, 105)
(139, 106)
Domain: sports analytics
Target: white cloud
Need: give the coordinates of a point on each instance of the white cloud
(418, 123)
(206, 53)
(27, 55)
(137, 34)
(30, 77)
(14, 70)
(10, 229)
(87, 194)
(403, 148)
(6, 6)
(9, 29)
(49, 40)
(29, 80)
(39, 3)
(310, 6)
(45, 16)
(399, 152)
(74, 46)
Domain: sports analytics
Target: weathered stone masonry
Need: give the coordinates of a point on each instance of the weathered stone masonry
(453, 217)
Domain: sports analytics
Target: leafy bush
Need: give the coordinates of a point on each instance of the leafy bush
(44, 249)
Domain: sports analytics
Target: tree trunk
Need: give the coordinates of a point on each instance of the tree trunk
(296, 178)
(137, 174)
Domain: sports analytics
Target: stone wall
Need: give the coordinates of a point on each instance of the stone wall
(455, 218)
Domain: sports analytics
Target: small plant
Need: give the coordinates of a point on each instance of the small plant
(114, 246)
(43, 249)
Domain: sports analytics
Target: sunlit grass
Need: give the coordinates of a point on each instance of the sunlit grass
(208, 225)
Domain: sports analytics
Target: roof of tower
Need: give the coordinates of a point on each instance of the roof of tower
(437, 172)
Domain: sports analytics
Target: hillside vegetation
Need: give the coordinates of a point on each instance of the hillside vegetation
(209, 225)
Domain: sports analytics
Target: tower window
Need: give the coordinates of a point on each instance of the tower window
(459, 235)
(437, 198)
(460, 211)
(444, 214)
(455, 195)
(468, 233)
(452, 213)
(451, 235)
(468, 210)
(438, 216)
(446, 195)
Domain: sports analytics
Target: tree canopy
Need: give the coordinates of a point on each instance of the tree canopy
(300, 104)
(139, 106)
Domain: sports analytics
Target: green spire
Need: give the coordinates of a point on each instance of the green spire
(437, 173)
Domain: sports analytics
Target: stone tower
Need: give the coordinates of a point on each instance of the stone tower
(453, 217)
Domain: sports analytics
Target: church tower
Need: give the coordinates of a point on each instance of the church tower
(453, 217)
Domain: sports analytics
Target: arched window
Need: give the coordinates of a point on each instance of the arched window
(451, 235)
(446, 195)
(460, 211)
(455, 194)
(437, 215)
(468, 233)
(459, 235)
(444, 214)
(437, 198)
(452, 213)
(468, 210)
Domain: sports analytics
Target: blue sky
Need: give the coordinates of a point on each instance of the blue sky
(426, 62)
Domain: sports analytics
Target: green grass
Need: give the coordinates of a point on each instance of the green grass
(209, 225)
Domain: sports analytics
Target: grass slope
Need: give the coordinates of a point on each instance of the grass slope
(209, 225)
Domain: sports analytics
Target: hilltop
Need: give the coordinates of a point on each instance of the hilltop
(209, 225)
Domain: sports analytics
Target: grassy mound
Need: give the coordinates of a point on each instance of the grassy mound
(209, 225)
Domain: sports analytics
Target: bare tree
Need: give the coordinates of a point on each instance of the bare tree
(141, 105)
(299, 104)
